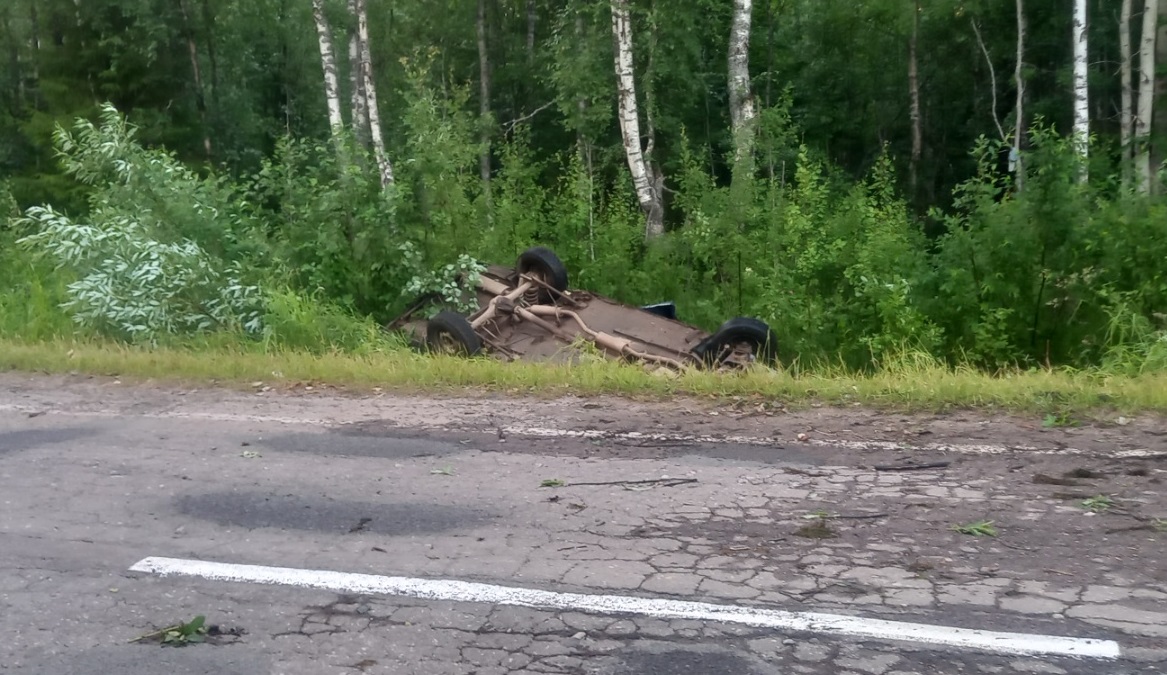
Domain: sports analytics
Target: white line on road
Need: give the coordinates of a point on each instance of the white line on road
(961, 448)
(600, 434)
(463, 591)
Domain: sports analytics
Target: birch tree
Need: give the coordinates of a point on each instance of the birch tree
(328, 65)
(1081, 88)
(384, 167)
(647, 193)
(357, 99)
(1146, 96)
(1126, 72)
(741, 99)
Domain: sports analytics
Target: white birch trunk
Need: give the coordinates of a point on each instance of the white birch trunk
(1081, 88)
(741, 99)
(1146, 105)
(1126, 72)
(629, 118)
(328, 64)
(484, 99)
(357, 102)
(1019, 111)
(383, 164)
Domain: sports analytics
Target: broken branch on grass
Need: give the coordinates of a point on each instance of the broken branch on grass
(912, 467)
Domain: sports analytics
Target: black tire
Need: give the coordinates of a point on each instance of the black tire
(742, 329)
(450, 332)
(543, 262)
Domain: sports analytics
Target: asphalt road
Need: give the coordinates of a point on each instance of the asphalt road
(91, 486)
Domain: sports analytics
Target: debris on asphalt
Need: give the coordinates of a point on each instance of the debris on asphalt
(913, 466)
(652, 482)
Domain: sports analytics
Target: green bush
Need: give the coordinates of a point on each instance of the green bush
(313, 253)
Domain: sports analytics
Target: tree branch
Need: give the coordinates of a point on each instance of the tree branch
(509, 126)
(992, 77)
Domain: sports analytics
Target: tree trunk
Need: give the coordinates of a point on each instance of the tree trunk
(212, 53)
(34, 62)
(532, 20)
(1019, 109)
(914, 112)
(383, 164)
(357, 96)
(1081, 86)
(1143, 166)
(328, 65)
(741, 99)
(768, 101)
(1126, 73)
(629, 117)
(1159, 149)
(483, 101)
(200, 95)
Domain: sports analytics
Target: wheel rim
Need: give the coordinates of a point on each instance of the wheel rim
(447, 344)
(741, 353)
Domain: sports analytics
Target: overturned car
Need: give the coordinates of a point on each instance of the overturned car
(527, 312)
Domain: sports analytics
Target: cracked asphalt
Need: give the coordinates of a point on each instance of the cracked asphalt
(96, 475)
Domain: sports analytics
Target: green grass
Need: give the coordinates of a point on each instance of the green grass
(919, 384)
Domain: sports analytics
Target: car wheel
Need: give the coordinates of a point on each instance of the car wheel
(542, 262)
(737, 333)
(450, 333)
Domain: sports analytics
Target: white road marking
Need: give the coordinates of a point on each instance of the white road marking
(462, 591)
(599, 434)
(960, 448)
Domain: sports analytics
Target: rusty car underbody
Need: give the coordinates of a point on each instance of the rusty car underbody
(528, 313)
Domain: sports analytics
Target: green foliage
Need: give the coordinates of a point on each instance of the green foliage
(190, 632)
(1098, 503)
(254, 225)
(1060, 272)
(134, 287)
(151, 186)
(442, 149)
(137, 266)
(981, 528)
(333, 231)
(454, 284)
(9, 211)
(294, 321)
(31, 293)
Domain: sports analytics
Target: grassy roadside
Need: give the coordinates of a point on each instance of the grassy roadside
(919, 386)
